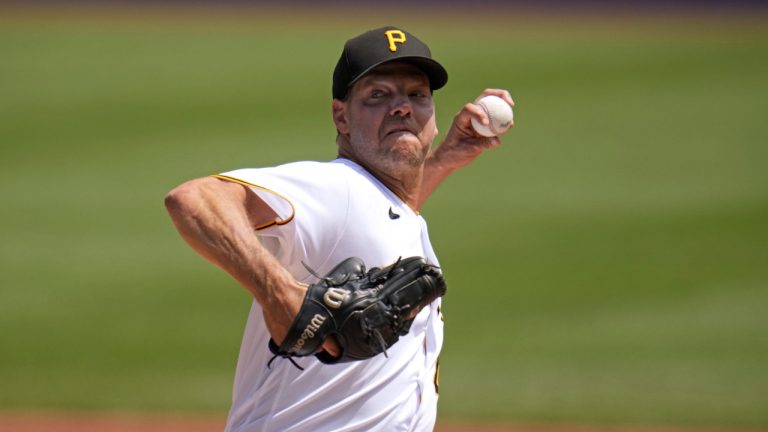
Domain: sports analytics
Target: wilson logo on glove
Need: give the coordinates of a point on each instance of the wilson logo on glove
(334, 296)
(309, 331)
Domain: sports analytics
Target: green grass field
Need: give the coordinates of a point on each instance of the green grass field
(608, 264)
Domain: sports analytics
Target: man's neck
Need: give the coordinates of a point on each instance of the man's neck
(405, 181)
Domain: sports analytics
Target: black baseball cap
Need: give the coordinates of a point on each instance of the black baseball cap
(373, 48)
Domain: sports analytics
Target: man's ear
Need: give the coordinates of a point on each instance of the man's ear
(340, 117)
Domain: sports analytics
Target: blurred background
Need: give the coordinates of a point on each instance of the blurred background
(607, 265)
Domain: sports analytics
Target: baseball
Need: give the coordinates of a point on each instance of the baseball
(500, 114)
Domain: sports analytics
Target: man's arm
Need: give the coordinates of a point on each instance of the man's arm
(460, 146)
(216, 218)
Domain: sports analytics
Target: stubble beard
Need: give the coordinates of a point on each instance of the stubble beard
(397, 157)
(393, 159)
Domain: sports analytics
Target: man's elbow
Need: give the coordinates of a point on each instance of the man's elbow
(181, 198)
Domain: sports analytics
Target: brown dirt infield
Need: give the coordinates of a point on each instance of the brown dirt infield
(56, 422)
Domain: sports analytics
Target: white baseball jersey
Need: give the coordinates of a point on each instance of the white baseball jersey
(329, 211)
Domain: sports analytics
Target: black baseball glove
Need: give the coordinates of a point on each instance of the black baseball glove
(367, 311)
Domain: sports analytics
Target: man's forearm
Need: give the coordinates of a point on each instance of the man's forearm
(213, 222)
(211, 217)
(434, 174)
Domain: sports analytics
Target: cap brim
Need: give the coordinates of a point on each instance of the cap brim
(435, 72)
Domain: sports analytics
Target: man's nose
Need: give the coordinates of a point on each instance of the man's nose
(401, 106)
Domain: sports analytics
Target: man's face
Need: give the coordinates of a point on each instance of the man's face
(389, 117)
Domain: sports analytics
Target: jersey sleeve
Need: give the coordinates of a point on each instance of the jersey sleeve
(311, 201)
(267, 189)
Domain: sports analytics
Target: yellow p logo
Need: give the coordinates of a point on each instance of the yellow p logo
(394, 36)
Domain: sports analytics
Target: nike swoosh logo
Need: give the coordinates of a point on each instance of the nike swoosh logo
(393, 215)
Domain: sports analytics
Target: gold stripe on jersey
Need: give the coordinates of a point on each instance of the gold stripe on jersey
(272, 222)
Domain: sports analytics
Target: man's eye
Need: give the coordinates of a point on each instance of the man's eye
(377, 94)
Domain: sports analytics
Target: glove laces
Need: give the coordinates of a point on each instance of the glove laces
(269, 363)
(327, 280)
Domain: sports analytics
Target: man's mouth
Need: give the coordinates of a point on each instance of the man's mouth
(400, 129)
